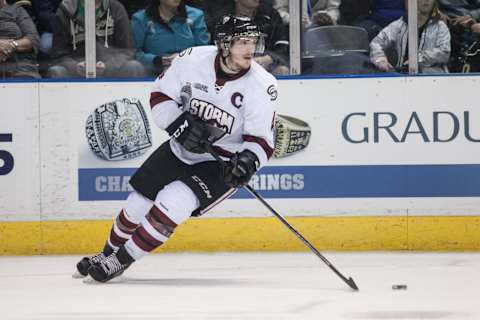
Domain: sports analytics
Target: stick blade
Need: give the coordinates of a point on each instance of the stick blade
(352, 284)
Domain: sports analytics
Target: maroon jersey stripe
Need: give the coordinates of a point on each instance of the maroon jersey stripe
(222, 152)
(158, 97)
(268, 150)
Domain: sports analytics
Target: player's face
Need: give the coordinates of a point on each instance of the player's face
(242, 52)
(171, 3)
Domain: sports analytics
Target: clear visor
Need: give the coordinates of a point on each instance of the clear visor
(246, 45)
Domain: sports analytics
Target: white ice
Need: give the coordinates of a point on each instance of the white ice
(244, 286)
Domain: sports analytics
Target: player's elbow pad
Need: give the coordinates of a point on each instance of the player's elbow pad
(165, 113)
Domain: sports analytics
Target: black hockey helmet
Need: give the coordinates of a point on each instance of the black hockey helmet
(230, 27)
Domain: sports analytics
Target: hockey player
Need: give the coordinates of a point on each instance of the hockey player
(225, 89)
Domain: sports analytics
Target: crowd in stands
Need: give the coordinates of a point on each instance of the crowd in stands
(136, 38)
(433, 42)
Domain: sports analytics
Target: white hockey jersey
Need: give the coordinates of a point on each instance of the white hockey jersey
(242, 106)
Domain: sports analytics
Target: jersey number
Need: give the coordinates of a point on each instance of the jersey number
(5, 156)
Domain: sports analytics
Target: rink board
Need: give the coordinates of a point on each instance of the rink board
(420, 233)
(385, 153)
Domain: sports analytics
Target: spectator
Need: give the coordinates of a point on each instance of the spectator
(19, 42)
(44, 13)
(114, 45)
(195, 3)
(323, 13)
(326, 12)
(25, 4)
(461, 11)
(213, 7)
(354, 11)
(165, 28)
(133, 6)
(282, 7)
(433, 46)
(268, 19)
(382, 13)
(463, 17)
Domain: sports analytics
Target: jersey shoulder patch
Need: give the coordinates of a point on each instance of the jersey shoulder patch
(265, 82)
(192, 57)
(195, 53)
(272, 92)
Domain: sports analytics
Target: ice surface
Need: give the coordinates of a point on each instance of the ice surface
(244, 286)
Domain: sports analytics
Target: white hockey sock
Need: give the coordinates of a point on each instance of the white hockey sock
(173, 205)
(128, 219)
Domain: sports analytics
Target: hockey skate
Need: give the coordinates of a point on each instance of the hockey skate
(110, 267)
(86, 263)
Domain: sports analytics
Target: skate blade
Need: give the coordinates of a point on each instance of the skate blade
(78, 275)
(89, 280)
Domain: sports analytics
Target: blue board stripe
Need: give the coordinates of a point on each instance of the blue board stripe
(375, 181)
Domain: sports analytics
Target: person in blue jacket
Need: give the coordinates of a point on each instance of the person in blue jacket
(165, 28)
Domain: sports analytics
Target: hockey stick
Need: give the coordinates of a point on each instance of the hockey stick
(185, 95)
(249, 188)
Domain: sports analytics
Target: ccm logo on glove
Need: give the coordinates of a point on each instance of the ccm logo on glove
(190, 132)
(177, 133)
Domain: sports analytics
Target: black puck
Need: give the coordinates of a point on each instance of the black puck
(399, 287)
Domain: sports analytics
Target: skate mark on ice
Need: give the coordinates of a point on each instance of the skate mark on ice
(410, 315)
(90, 281)
(307, 306)
(200, 282)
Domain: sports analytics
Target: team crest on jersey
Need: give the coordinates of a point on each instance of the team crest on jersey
(212, 114)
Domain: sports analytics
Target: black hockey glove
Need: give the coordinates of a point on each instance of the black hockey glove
(242, 166)
(191, 132)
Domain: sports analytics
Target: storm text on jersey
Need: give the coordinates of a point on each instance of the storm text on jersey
(212, 114)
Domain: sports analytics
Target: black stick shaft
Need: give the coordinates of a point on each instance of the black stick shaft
(348, 281)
